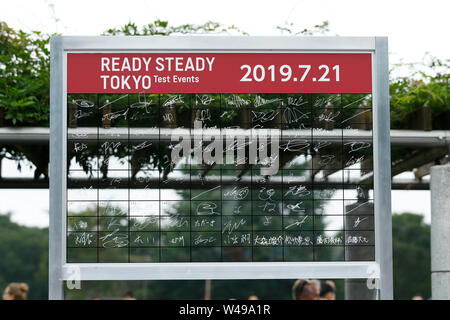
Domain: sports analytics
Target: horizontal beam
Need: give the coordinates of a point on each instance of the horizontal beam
(197, 183)
(399, 138)
(216, 43)
(222, 270)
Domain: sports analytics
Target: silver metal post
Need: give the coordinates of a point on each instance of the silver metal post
(55, 288)
(382, 165)
(440, 238)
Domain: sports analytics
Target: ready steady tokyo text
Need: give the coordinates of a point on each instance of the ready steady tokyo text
(160, 64)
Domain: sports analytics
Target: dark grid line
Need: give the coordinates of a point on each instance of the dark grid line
(98, 186)
(310, 96)
(221, 184)
(190, 183)
(129, 177)
(159, 176)
(342, 164)
(251, 192)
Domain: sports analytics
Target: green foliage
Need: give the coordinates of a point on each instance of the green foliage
(322, 28)
(422, 88)
(163, 28)
(25, 66)
(25, 76)
(24, 253)
(411, 251)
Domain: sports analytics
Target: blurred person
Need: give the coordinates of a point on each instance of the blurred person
(331, 283)
(16, 291)
(253, 297)
(128, 296)
(327, 290)
(417, 297)
(306, 290)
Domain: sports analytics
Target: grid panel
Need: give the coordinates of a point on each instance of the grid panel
(129, 200)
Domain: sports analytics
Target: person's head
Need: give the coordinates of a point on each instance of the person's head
(128, 296)
(417, 297)
(253, 297)
(327, 291)
(306, 290)
(15, 291)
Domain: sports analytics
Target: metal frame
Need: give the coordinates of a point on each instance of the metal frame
(382, 167)
(399, 138)
(381, 268)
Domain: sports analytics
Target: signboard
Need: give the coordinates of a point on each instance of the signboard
(232, 158)
(219, 73)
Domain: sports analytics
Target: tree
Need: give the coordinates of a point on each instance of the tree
(25, 77)
(163, 28)
(412, 260)
(426, 86)
(24, 253)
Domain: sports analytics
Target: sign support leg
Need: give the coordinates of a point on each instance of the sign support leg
(440, 224)
(382, 165)
(56, 225)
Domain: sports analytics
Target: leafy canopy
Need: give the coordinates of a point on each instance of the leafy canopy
(426, 86)
(163, 28)
(25, 76)
(412, 260)
(25, 71)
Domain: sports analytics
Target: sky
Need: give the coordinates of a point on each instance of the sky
(414, 28)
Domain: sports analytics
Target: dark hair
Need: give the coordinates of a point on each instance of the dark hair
(301, 286)
(325, 288)
(129, 294)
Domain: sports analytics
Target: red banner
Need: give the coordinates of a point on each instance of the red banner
(219, 73)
